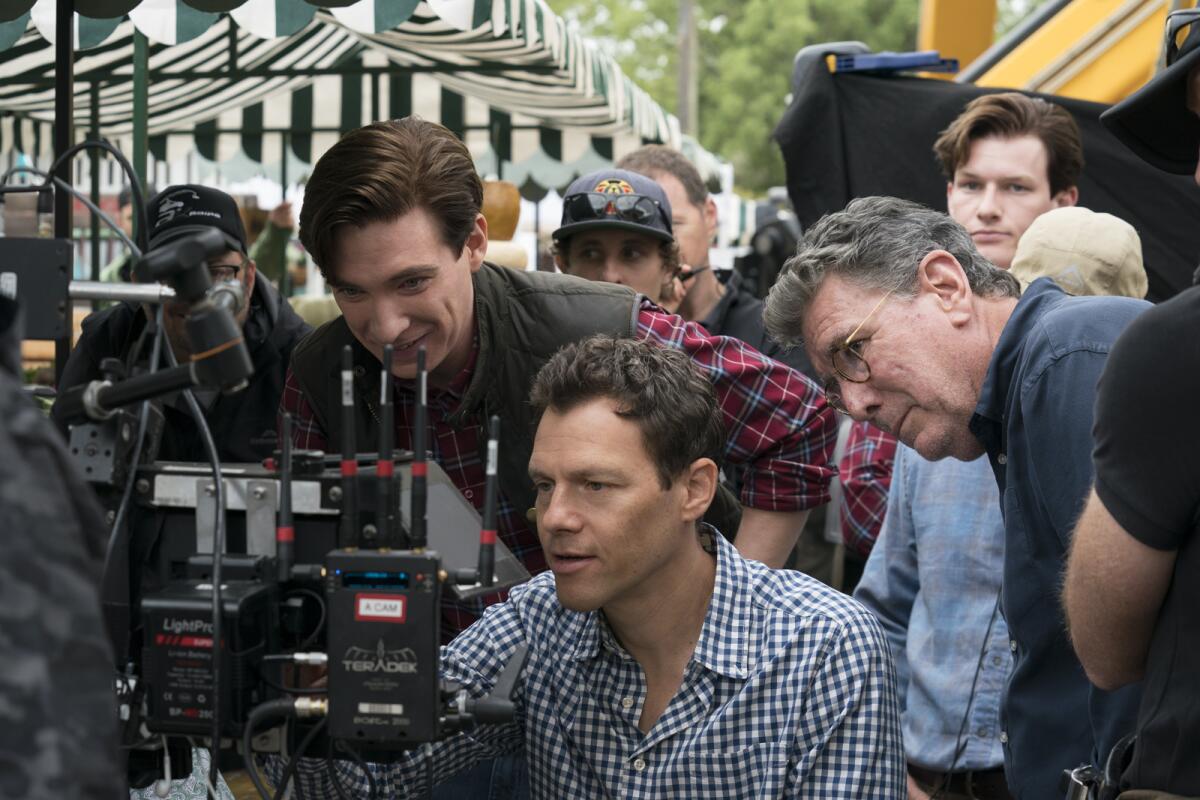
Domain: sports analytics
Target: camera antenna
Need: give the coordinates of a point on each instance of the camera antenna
(487, 534)
(349, 466)
(385, 513)
(285, 532)
(419, 467)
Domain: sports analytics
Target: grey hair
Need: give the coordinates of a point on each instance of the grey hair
(877, 243)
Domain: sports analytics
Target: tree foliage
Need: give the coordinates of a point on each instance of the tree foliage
(746, 49)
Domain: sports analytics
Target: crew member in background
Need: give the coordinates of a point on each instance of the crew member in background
(617, 228)
(715, 301)
(118, 268)
(720, 304)
(661, 663)
(242, 424)
(275, 255)
(1133, 581)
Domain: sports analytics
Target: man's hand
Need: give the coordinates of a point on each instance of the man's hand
(281, 216)
(298, 274)
(769, 536)
(914, 791)
(672, 295)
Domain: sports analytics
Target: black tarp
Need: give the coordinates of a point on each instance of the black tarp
(853, 135)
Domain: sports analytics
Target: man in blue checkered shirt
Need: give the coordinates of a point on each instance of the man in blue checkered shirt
(661, 664)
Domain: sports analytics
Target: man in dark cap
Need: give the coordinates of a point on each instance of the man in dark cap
(1133, 578)
(617, 227)
(242, 424)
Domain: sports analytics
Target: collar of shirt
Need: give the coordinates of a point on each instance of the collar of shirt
(988, 421)
(458, 386)
(259, 323)
(715, 321)
(724, 644)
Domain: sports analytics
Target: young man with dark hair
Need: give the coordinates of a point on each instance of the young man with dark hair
(392, 219)
(243, 424)
(1133, 581)
(1008, 158)
(661, 663)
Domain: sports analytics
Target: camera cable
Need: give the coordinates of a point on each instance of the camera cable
(218, 548)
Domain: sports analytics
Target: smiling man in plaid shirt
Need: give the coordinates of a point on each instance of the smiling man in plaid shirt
(391, 217)
(660, 662)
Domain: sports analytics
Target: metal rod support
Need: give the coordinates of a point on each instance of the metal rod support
(64, 137)
(133, 292)
(94, 162)
(141, 78)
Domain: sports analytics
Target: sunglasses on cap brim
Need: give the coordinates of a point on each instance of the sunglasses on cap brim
(598, 205)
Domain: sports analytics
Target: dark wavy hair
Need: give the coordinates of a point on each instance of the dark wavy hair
(380, 172)
(1009, 115)
(656, 387)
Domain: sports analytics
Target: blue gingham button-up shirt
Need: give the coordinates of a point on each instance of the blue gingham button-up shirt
(790, 693)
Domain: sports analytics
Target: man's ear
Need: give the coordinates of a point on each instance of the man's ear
(1067, 197)
(940, 276)
(477, 242)
(251, 277)
(710, 217)
(559, 260)
(699, 481)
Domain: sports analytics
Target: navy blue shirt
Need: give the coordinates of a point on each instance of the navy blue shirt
(1035, 419)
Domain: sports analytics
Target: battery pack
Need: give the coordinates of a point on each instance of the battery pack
(177, 655)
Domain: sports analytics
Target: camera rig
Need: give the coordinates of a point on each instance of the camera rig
(218, 577)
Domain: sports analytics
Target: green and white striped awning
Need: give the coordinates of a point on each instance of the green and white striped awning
(272, 83)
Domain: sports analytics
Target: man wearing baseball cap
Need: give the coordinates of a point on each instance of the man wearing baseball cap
(616, 227)
(1085, 252)
(242, 424)
(1133, 579)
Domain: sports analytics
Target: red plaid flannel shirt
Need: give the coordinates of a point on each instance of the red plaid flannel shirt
(866, 475)
(779, 428)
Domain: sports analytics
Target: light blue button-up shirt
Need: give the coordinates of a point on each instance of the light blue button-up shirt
(932, 580)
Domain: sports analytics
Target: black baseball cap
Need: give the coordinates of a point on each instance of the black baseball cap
(615, 198)
(1154, 121)
(178, 211)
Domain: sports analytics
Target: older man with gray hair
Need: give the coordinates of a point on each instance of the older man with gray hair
(912, 329)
